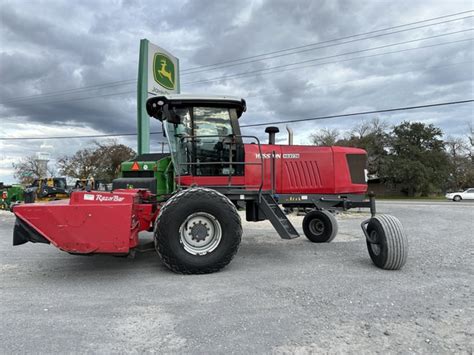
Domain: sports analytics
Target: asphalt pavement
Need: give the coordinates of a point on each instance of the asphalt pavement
(276, 296)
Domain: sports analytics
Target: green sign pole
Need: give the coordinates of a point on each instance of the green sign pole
(178, 82)
(143, 121)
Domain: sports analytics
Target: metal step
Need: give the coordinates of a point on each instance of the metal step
(277, 217)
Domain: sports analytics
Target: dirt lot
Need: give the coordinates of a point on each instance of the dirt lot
(276, 296)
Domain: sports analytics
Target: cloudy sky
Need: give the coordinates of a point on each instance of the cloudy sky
(69, 68)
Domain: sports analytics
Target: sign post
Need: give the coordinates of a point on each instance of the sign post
(158, 73)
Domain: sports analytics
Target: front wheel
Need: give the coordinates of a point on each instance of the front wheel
(320, 226)
(457, 198)
(387, 242)
(197, 231)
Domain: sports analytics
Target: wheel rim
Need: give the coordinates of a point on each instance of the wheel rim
(200, 233)
(376, 249)
(316, 226)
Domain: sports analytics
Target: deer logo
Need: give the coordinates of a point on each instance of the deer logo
(164, 71)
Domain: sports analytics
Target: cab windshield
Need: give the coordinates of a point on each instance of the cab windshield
(202, 136)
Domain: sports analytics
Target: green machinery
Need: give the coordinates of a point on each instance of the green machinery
(153, 171)
(10, 194)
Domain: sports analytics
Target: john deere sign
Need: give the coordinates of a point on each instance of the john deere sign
(158, 74)
(164, 71)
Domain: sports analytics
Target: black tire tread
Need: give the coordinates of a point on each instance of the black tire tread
(333, 223)
(396, 239)
(161, 245)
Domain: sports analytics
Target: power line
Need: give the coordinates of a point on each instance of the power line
(319, 47)
(73, 91)
(74, 137)
(281, 68)
(248, 96)
(333, 56)
(77, 98)
(131, 81)
(324, 85)
(406, 108)
(332, 40)
(362, 113)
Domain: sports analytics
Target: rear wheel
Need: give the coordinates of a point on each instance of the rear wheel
(197, 231)
(457, 198)
(386, 242)
(320, 226)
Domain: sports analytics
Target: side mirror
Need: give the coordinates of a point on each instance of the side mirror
(171, 115)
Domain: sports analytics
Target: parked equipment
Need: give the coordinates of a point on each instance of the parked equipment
(189, 197)
(10, 195)
(46, 189)
(151, 171)
(90, 184)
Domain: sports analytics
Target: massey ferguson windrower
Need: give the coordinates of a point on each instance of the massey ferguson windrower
(190, 198)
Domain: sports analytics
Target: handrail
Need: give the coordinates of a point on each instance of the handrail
(230, 162)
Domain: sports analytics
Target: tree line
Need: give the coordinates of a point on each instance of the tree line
(100, 161)
(412, 155)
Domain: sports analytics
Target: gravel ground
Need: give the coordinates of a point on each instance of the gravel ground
(276, 296)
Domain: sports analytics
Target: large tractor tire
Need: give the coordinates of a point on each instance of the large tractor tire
(320, 226)
(387, 242)
(197, 231)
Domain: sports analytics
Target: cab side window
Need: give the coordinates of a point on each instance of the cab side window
(212, 127)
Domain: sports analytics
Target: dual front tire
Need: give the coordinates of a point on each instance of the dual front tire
(386, 240)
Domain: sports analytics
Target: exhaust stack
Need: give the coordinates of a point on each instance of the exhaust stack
(290, 135)
(272, 131)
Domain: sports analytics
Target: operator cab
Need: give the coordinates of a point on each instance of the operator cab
(203, 132)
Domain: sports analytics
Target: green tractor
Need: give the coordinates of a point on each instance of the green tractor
(9, 195)
(151, 171)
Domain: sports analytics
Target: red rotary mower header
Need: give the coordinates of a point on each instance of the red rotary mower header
(90, 222)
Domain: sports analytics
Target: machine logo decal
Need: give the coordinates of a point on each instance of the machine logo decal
(164, 71)
(114, 198)
(102, 198)
(277, 156)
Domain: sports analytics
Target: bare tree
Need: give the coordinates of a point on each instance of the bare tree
(367, 128)
(456, 146)
(361, 130)
(28, 169)
(325, 137)
(470, 138)
(461, 166)
(80, 165)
